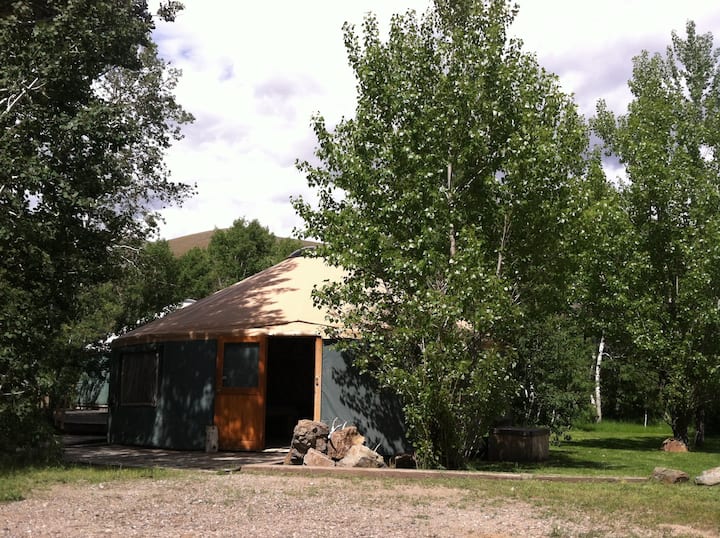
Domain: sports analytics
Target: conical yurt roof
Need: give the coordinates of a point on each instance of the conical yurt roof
(277, 301)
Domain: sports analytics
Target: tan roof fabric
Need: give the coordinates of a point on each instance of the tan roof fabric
(276, 301)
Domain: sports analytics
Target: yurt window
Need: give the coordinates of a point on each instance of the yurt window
(139, 378)
(241, 364)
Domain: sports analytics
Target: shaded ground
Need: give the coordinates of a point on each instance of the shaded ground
(94, 451)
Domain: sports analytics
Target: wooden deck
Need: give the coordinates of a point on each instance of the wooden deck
(82, 420)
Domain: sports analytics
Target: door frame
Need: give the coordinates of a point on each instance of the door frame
(317, 396)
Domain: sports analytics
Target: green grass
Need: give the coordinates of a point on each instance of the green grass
(615, 449)
(16, 483)
(647, 505)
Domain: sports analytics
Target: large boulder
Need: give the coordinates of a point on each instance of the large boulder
(342, 440)
(315, 458)
(362, 456)
(669, 476)
(674, 445)
(306, 435)
(711, 477)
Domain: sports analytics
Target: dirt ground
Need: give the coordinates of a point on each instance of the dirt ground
(253, 505)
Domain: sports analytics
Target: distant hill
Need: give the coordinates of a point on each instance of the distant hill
(180, 245)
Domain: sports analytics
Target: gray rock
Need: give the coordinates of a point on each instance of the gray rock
(361, 456)
(405, 461)
(669, 476)
(293, 457)
(674, 445)
(710, 477)
(343, 440)
(306, 435)
(314, 458)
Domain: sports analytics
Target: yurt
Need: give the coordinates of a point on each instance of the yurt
(249, 360)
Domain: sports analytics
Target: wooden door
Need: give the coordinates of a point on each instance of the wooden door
(240, 393)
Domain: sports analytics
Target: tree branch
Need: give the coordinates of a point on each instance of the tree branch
(503, 242)
(11, 100)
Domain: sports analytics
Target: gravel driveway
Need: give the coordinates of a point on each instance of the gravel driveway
(253, 505)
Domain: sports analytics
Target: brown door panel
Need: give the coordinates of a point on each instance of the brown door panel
(240, 396)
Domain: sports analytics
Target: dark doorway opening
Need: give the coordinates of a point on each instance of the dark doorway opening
(290, 386)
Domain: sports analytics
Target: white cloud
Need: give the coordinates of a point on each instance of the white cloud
(590, 45)
(255, 72)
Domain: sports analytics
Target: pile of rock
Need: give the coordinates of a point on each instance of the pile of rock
(314, 444)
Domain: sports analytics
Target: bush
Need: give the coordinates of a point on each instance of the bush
(552, 375)
(26, 436)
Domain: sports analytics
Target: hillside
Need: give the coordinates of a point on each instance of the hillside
(180, 245)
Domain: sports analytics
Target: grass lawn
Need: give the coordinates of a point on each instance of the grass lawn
(17, 482)
(649, 505)
(615, 449)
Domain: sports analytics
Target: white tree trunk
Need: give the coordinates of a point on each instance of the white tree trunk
(503, 242)
(453, 247)
(598, 363)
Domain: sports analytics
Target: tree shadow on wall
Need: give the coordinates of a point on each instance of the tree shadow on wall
(377, 412)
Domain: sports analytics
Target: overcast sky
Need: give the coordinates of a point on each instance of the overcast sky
(255, 72)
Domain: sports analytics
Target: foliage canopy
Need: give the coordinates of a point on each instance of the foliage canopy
(447, 197)
(669, 141)
(87, 113)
